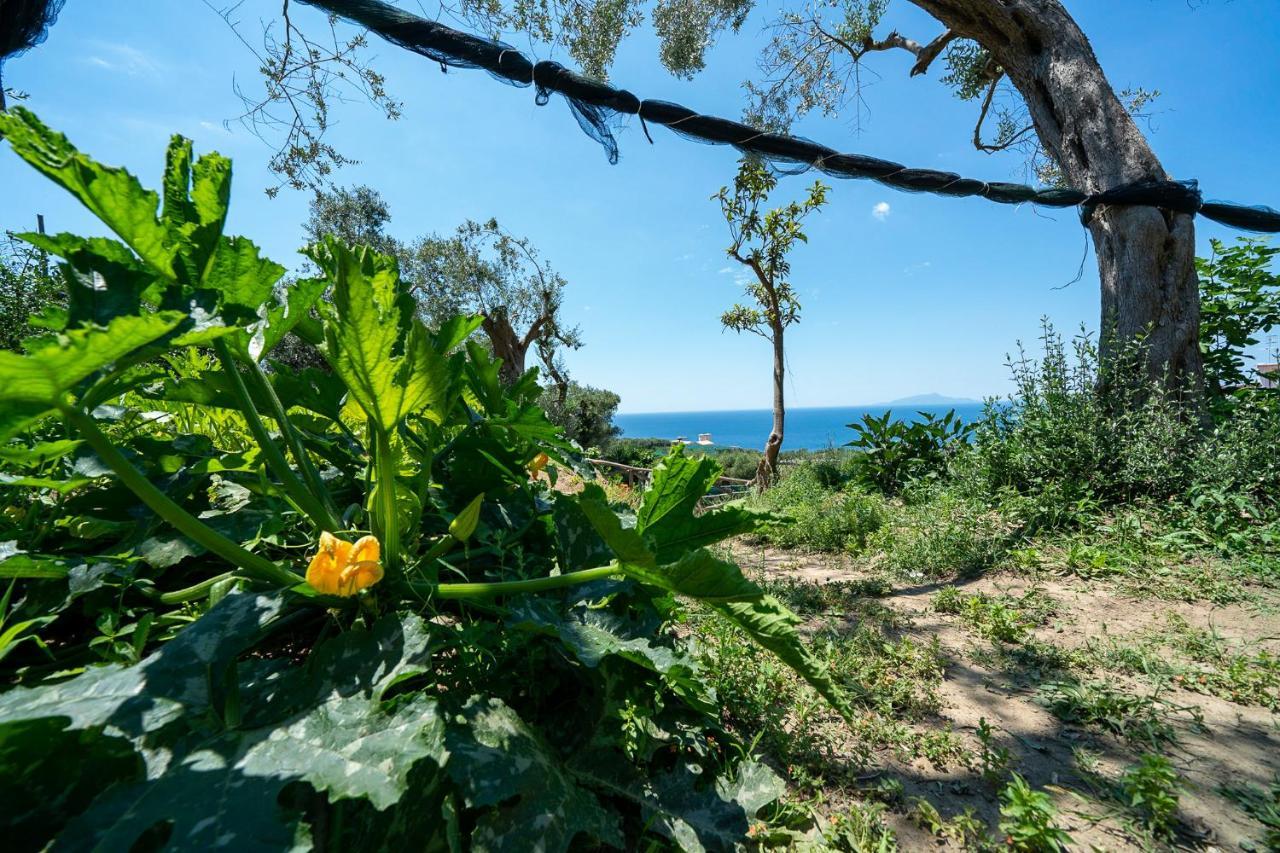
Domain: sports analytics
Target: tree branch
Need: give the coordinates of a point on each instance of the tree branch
(926, 55)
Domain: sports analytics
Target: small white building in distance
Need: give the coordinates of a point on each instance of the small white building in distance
(705, 437)
(1268, 375)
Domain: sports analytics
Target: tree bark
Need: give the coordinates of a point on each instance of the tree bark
(1146, 257)
(767, 470)
(507, 345)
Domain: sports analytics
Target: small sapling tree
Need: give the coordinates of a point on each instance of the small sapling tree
(761, 241)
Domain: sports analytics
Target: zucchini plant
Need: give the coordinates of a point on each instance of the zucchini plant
(258, 608)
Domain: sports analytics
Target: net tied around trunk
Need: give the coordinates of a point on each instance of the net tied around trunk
(601, 110)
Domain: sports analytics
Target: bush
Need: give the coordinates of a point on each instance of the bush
(947, 536)
(640, 452)
(893, 453)
(1087, 433)
(821, 518)
(585, 413)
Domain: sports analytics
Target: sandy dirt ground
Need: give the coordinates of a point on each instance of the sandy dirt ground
(1219, 742)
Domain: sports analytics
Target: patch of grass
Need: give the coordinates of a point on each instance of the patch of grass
(1142, 569)
(835, 598)
(1000, 618)
(1144, 720)
(1196, 659)
(945, 537)
(893, 684)
(822, 517)
(860, 829)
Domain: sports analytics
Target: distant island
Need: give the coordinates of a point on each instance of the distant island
(931, 400)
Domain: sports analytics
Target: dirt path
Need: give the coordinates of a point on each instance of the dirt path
(1101, 633)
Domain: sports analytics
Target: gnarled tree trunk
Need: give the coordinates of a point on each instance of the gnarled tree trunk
(1146, 257)
(507, 345)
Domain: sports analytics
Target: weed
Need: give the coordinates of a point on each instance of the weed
(1000, 618)
(861, 829)
(1027, 819)
(1138, 719)
(1151, 788)
(946, 537)
(819, 517)
(993, 760)
(965, 829)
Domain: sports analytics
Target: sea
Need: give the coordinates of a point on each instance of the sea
(807, 429)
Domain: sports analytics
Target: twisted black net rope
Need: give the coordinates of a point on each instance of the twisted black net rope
(600, 109)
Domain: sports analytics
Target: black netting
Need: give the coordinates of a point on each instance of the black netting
(24, 24)
(601, 109)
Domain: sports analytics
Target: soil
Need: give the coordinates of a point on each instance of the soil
(1232, 744)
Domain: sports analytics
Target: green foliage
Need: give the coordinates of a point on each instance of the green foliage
(1085, 432)
(1239, 303)
(28, 288)
(761, 242)
(513, 658)
(1151, 788)
(1145, 720)
(640, 452)
(894, 452)
(993, 618)
(944, 537)
(861, 829)
(1027, 819)
(819, 517)
(585, 414)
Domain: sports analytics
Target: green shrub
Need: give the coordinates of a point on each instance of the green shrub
(1151, 788)
(640, 452)
(892, 453)
(1087, 433)
(820, 517)
(584, 413)
(947, 536)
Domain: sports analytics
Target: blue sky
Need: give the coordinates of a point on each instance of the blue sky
(902, 294)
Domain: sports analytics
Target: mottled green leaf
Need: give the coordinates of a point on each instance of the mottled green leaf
(685, 807)
(138, 699)
(525, 795)
(16, 563)
(625, 542)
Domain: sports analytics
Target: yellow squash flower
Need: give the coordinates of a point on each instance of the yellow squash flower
(343, 568)
(539, 462)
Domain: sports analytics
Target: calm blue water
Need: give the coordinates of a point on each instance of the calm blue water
(811, 429)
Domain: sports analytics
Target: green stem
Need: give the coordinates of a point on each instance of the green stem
(488, 590)
(385, 518)
(294, 487)
(194, 592)
(160, 503)
(309, 473)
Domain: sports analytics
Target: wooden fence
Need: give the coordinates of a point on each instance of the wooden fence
(726, 489)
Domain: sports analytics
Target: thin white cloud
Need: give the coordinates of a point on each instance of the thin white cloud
(123, 59)
(880, 210)
(724, 271)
